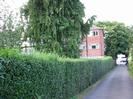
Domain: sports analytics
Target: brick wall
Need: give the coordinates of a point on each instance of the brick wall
(95, 43)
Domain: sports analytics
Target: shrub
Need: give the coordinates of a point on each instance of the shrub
(130, 64)
(47, 76)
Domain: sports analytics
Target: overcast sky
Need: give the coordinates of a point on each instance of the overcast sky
(107, 10)
(110, 10)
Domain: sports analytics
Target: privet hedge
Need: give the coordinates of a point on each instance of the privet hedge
(30, 77)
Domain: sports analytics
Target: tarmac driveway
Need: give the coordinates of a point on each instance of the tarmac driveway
(116, 85)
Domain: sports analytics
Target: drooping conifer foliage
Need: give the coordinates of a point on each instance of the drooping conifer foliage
(56, 25)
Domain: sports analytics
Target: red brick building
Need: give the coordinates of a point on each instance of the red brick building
(93, 44)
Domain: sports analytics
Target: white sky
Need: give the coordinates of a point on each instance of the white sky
(110, 10)
(16, 3)
(106, 10)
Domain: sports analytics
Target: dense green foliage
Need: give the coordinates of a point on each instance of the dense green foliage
(131, 40)
(56, 25)
(45, 76)
(131, 50)
(116, 38)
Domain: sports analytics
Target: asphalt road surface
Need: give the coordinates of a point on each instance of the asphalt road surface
(116, 85)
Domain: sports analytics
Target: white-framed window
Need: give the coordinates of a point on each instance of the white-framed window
(95, 46)
(95, 33)
(82, 47)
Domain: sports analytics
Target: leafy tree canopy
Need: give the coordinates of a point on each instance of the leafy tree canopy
(116, 38)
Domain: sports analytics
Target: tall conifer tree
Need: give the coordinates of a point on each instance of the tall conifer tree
(56, 25)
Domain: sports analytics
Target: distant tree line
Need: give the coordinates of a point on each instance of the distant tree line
(10, 27)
